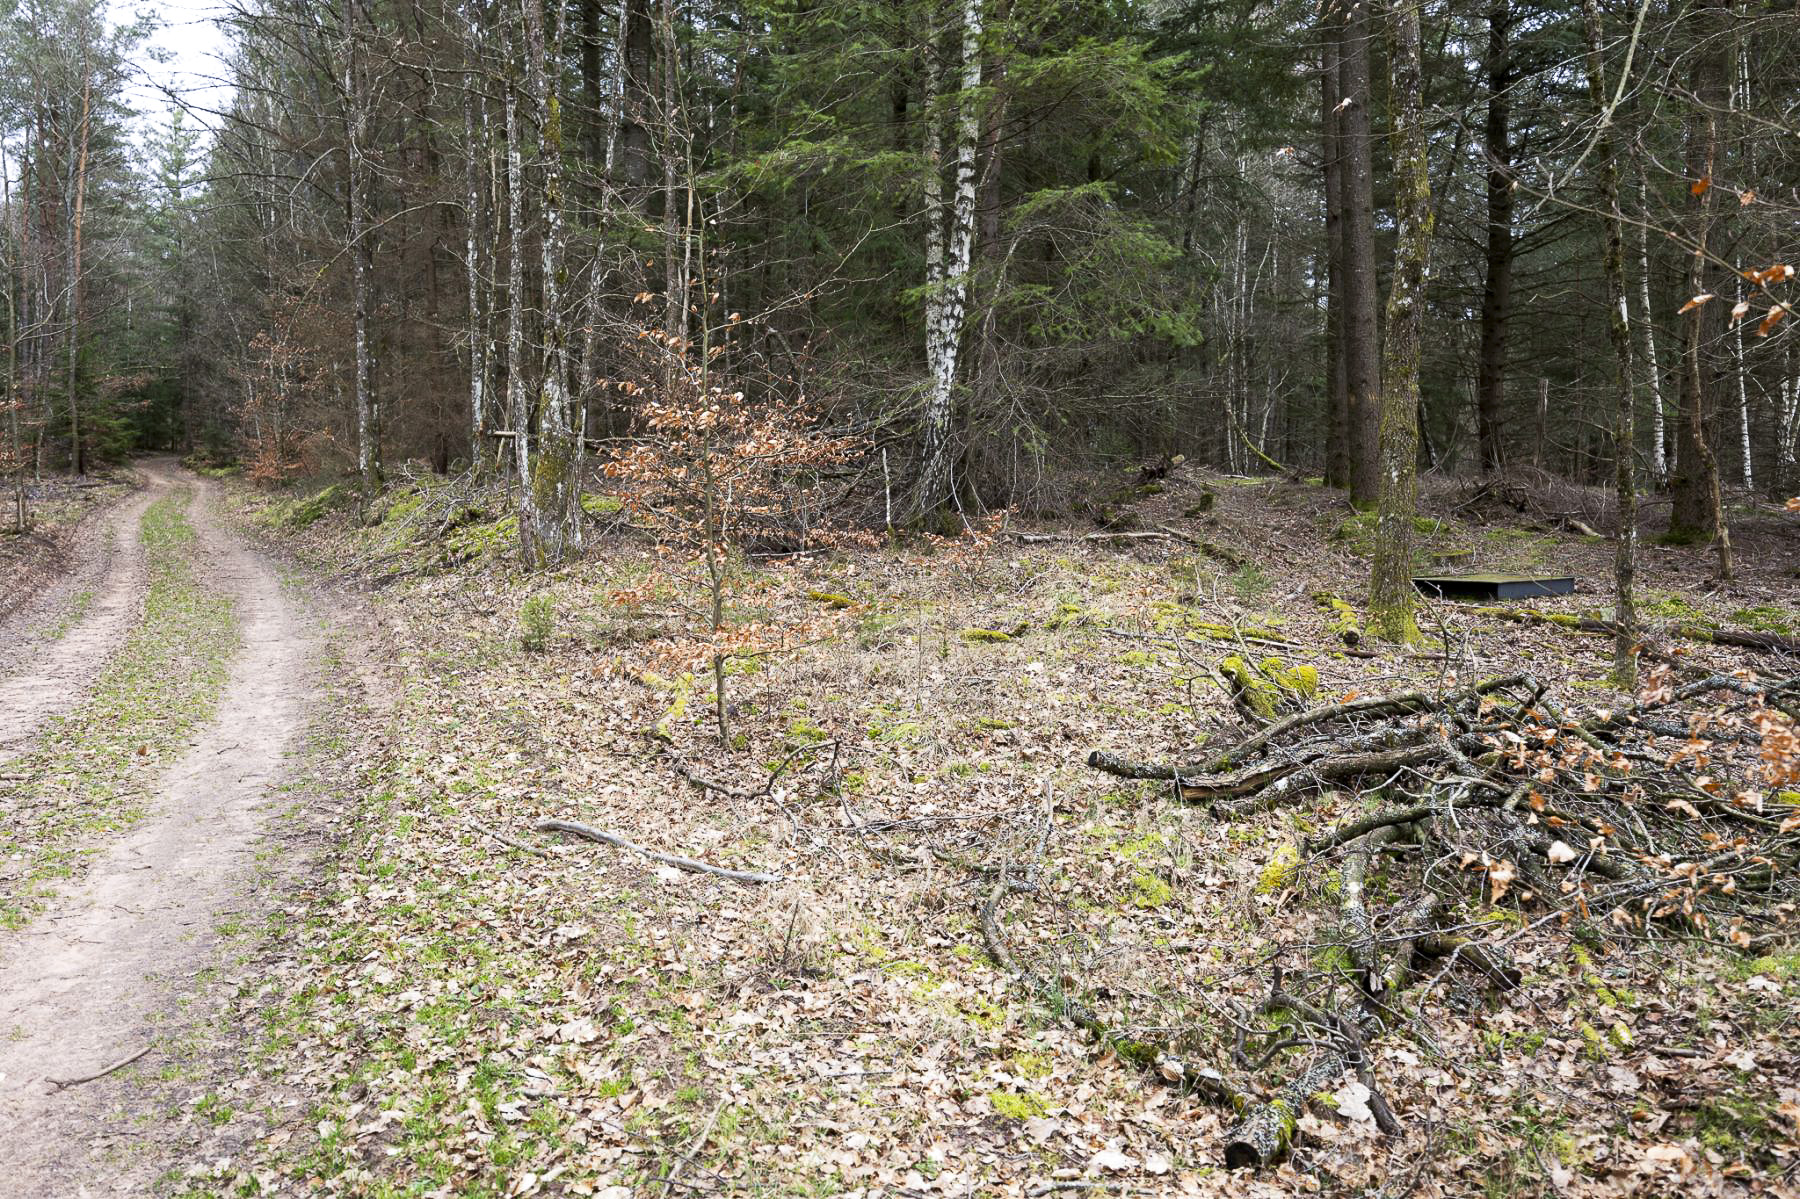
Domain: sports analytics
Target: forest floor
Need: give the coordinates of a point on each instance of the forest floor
(416, 991)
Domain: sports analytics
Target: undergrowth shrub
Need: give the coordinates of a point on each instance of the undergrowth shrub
(537, 620)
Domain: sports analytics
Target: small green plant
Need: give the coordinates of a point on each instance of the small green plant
(537, 620)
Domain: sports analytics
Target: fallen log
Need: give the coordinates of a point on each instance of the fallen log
(1146, 535)
(1768, 643)
(1266, 1132)
(1318, 764)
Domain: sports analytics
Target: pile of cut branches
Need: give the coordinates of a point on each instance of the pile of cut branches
(1677, 815)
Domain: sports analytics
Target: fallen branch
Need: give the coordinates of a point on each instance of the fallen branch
(62, 1083)
(1148, 535)
(509, 842)
(578, 829)
(1768, 643)
(1263, 780)
(1207, 1082)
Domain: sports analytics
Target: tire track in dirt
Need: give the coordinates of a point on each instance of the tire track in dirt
(102, 973)
(51, 676)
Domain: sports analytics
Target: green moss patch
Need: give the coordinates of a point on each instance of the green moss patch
(300, 513)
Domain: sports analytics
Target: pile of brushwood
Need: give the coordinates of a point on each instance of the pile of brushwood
(1671, 816)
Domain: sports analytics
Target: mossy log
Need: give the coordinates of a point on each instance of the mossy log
(1492, 961)
(1266, 1132)
(1263, 691)
(1341, 617)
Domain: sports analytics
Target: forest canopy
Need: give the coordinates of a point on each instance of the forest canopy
(997, 239)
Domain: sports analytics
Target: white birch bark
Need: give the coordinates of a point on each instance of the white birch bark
(472, 265)
(937, 479)
(516, 412)
(1659, 458)
(1743, 391)
(1788, 424)
(934, 210)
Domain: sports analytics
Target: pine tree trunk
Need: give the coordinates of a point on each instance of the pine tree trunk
(1698, 509)
(636, 43)
(1612, 265)
(1361, 342)
(991, 162)
(77, 204)
(1496, 298)
(1391, 592)
(1337, 394)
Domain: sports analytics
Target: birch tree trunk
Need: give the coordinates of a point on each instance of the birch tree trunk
(1743, 388)
(937, 476)
(472, 266)
(1659, 454)
(517, 413)
(1788, 421)
(554, 513)
(934, 205)
(1612, 264)
(1391, 594)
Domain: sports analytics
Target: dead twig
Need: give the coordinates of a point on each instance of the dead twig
(509, 842)
(578, 829)
(64, 1083)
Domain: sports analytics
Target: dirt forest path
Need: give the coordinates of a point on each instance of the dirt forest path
(42, 674)
(102, 973)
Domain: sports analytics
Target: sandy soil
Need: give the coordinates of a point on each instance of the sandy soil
(106, 971)
(48, 676)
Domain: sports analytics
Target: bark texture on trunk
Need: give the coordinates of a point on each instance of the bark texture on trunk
(518, 413)
(1391, 596)
(1360, 330)
(1612, 265)
(1697, 510)
(472, 271)
(1659, 457)
(357, 182)
(1337, 393)
(937, 474)
(1496, 295)
(549, 524)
